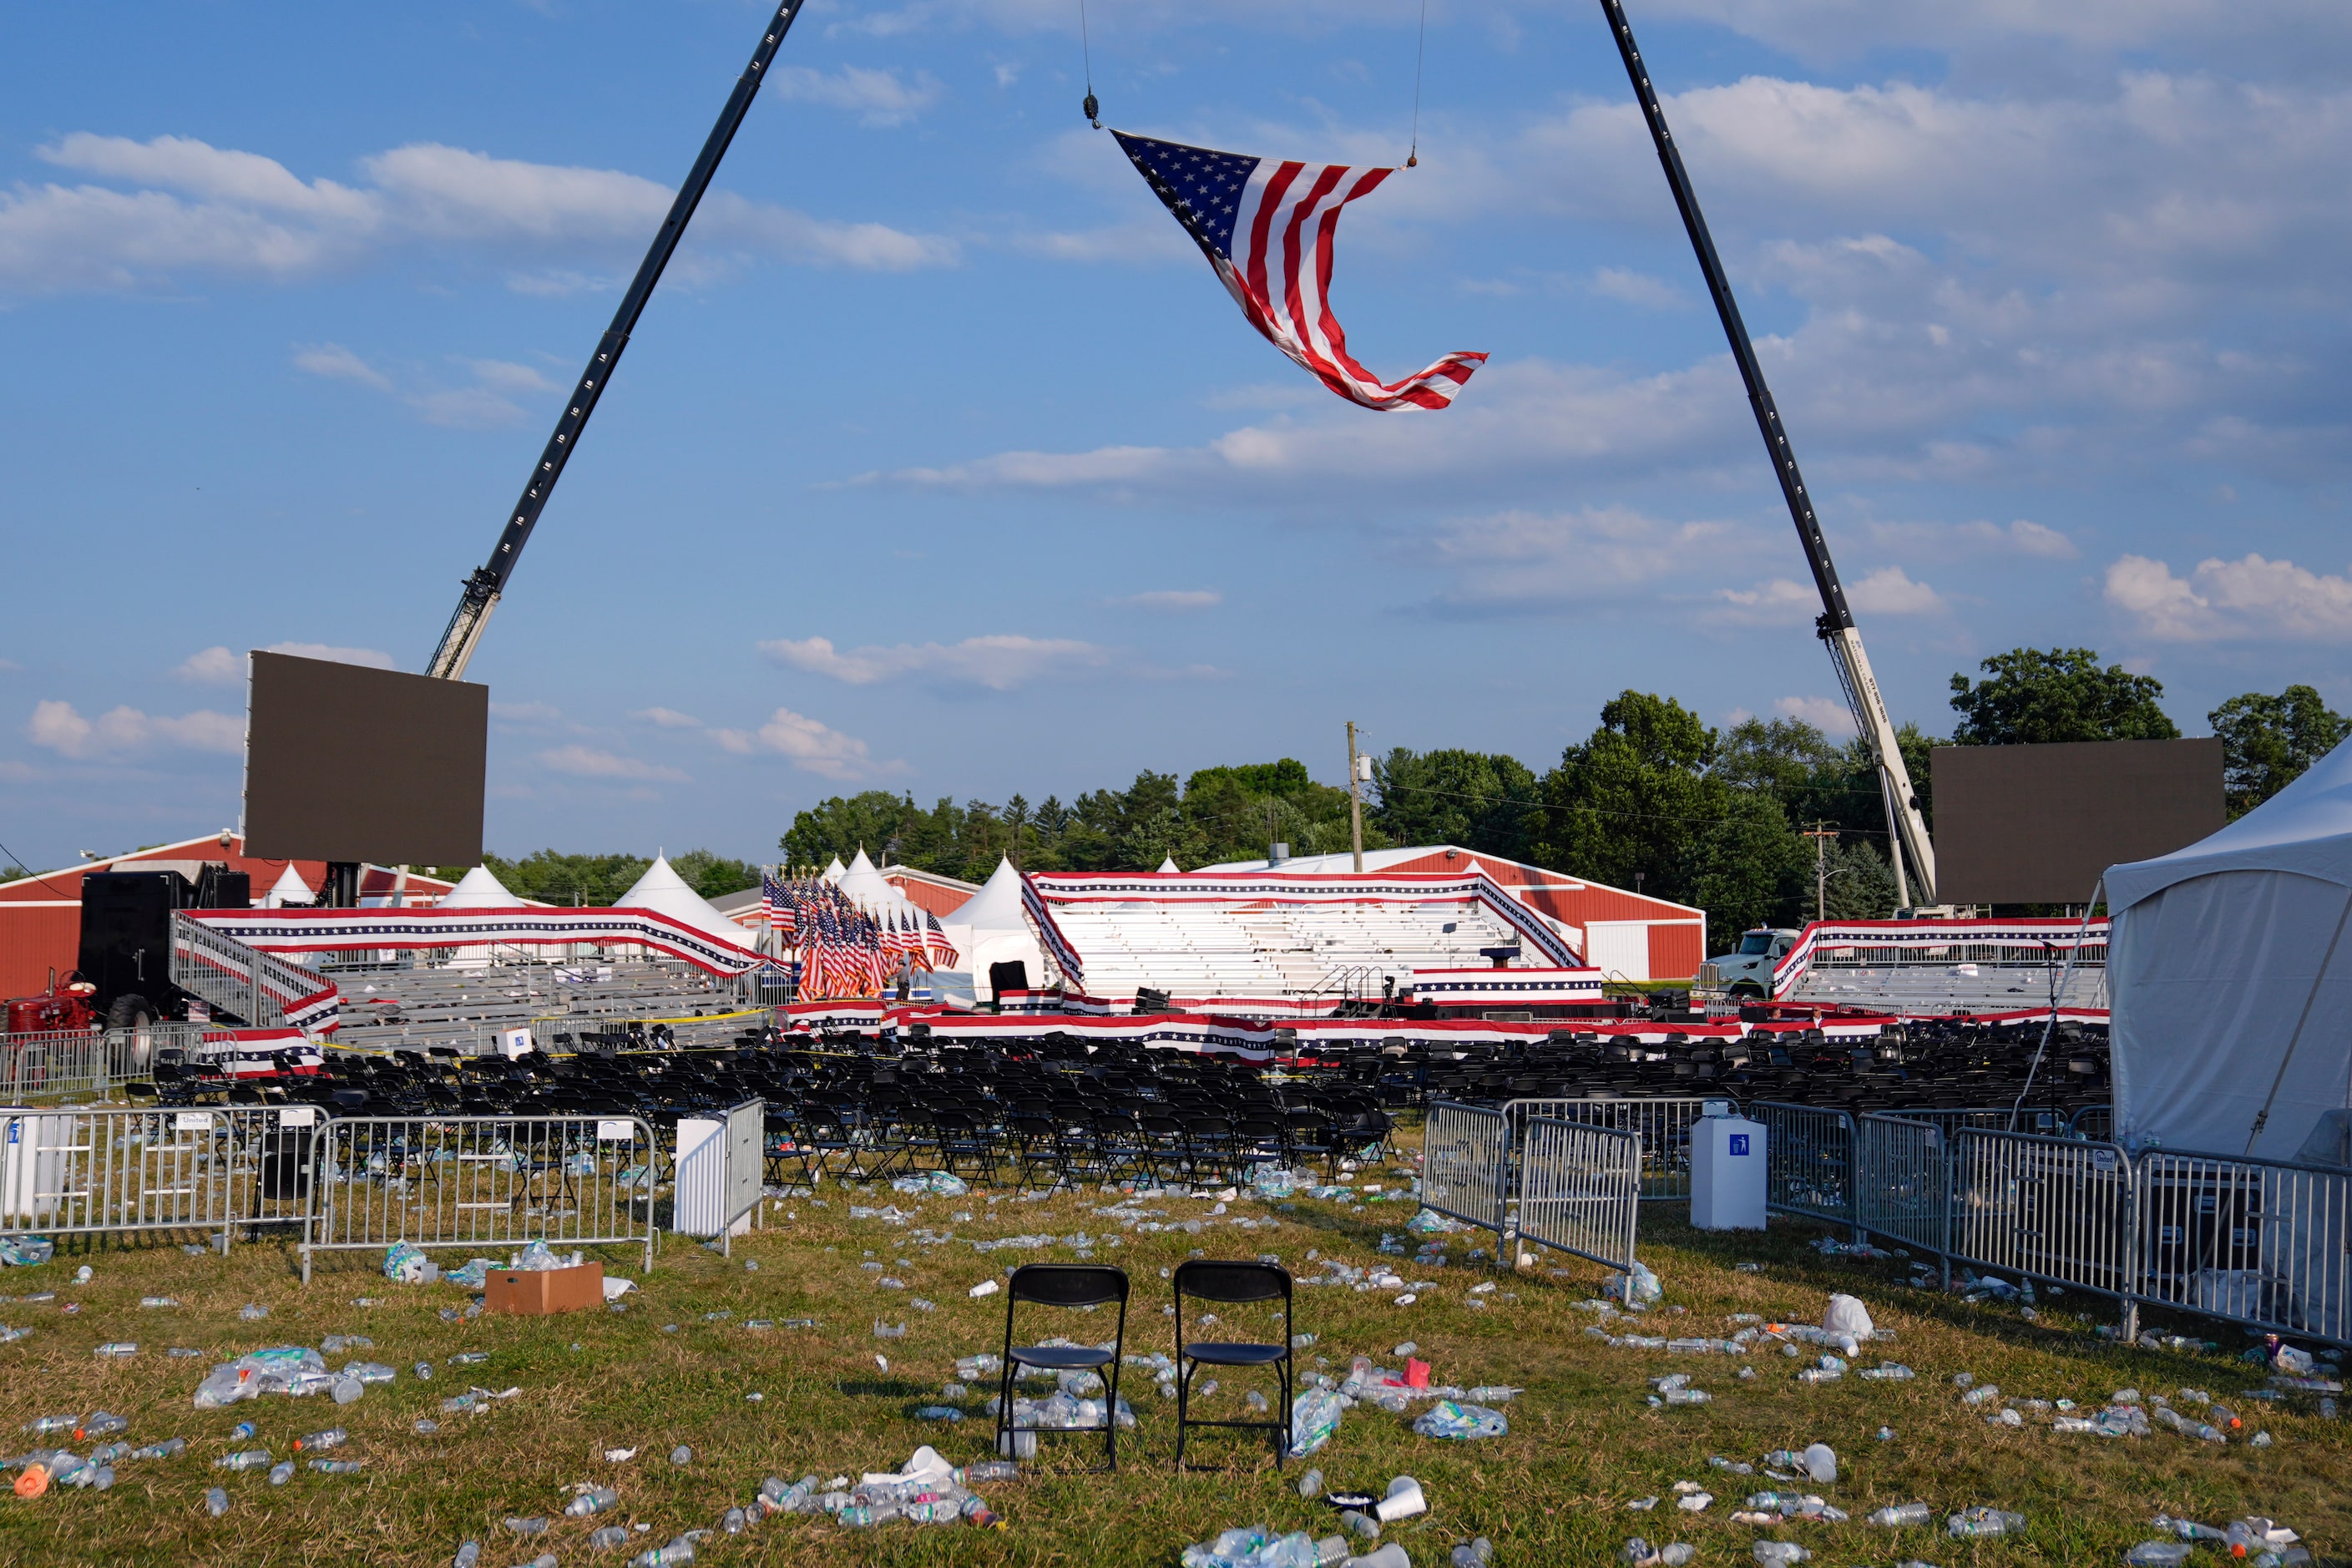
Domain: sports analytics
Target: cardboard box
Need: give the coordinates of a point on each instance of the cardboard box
(536, 1292)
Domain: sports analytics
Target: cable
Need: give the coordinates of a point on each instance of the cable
(1420, 50)
(35, 875)
(1092, 106)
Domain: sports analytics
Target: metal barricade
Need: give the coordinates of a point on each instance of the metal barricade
(2058, 1209)
(2045, 1120)
(1664, 1123)
(480, 1181)
(1465, 1163)
(1902, 1186)
(1580, 1190)
(1808, 1160)
(2255, 1241)
(117, 1170)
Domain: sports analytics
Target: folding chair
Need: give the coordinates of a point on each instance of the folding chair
(1063, 1284)
(1236, 1284)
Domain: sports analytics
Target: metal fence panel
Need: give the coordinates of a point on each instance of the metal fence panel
(1664, 1123)
(1902, 1185)
(114, 1169)
(1580, 1190)
(479, 1180)
(2047, 1120)
(1465, 1163)
(2254, 1241)
(1808, 1160)
(2055, 1208)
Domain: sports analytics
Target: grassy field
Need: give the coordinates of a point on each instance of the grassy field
(1584, 1440)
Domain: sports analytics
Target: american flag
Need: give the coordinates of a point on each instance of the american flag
(935, 941)
(1267, 227)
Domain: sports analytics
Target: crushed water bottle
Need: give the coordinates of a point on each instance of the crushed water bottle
(1778, 1552)
(215, 1502)
(1983, 1524)
(609, 1537)
(2159, 1554)
(249, 1459)
(1478, 1554)
(1896, 1515)
(169, 1448)
(681, 1455)
(1310, 1485)
(468, 1553)
(281, 1472)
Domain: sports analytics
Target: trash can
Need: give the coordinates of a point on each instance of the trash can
(1726, 1174)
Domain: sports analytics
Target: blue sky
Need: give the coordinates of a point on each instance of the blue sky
(940, 461)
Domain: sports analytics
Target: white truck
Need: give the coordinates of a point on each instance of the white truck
(1747, 973)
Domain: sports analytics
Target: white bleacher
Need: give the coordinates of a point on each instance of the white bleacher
(1202, 949)
(1946, 988)
(465, 1005)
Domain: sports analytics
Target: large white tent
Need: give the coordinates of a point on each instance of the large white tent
(664, 891)
(991, 927)
(2231, 981)
(477, 889)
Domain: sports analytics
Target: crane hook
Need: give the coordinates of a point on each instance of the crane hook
(1092, 110)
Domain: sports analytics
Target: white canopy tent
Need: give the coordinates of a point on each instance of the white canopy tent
(290, 891)
(866, 887)
(2231, 980)
(991, 927)
(664, 891)
(477, 889)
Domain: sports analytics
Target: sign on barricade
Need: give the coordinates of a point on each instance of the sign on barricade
(1580, 1190)
(488, 1181)
(1465, 1169)
(721, 1160)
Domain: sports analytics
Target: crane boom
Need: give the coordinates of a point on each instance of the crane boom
(1907, 828)
(488, 580)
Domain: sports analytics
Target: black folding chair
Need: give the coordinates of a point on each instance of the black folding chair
(1233, 1284)
(1063, 1284)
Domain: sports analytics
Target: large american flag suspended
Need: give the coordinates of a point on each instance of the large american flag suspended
(1267, 227)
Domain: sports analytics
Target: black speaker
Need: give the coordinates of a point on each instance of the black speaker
(1009, 976)
(286, 1164)
(222, 889)
(126, 931)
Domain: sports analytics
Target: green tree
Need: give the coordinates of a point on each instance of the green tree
(2268, 742)
(714, 875)
(1630, 797)
(2033, 698)
(1748, 868)
(594, 880)
(1487, 803)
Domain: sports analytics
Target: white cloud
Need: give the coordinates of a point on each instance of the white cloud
(198, 209)
(809, 745)
(60, 728)
(594, 762)
(373, 658)
(213, 666)
(2248, 599)
(1827, 714)
(1637, 289)
(1777, 602)
(526, 715)
(336, 363)
(667, 719)
(1174, 599)
(1529, 559)
(1955, 540)
(1889, 591)
(999, 662)
(876, 96)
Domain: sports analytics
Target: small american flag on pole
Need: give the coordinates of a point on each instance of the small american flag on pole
(1267, 227)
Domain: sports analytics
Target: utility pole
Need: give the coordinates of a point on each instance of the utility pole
(1821, 834)
(1357, 768)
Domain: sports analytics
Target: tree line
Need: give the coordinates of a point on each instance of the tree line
(1654, 798)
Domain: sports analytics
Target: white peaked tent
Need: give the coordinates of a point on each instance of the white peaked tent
(289, 890)
(477, 889)
(664, 891)
(835, 872)
(1168, 864)
(2230, 970)
(863, 886)
(991, 927)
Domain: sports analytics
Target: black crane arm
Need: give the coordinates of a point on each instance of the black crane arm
(488, 580)
(1909, 827)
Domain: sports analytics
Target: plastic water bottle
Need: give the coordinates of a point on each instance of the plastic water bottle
(595, 1500)
(100, 1424)
(240, 1432)
(339, 1467)
(424, 1370)
(169, 1448)
(1899, 1514)
(249, 1459)
(609, 1537)
(681, 1455)
(736, 1521)
(1478, 1554)
(1777, 1551)
(1310, 1485)
(1983, 1524)
(332, 1438)
(48, 1423)
(468, 1553)
(281, 1472)
(216, 1504)
(2159, 1554)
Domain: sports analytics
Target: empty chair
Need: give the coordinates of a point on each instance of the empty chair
(1063, 1284)
(1233, 1284)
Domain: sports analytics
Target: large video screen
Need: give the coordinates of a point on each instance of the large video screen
(343, 763)
(2038, 825)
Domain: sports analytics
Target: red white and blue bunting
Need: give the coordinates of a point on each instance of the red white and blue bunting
(330, 930)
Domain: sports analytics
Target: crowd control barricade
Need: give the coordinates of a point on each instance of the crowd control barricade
(2258, 1242)
(721, 1158)
(1808, 1160)
(1580, 1190)
(1902, 1188)
(1465, 1163)
(2057, 1209)
(486, 1182)
(1662, 1121)
(115, 1169)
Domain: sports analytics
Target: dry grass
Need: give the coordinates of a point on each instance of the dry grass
(1583, 1441)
